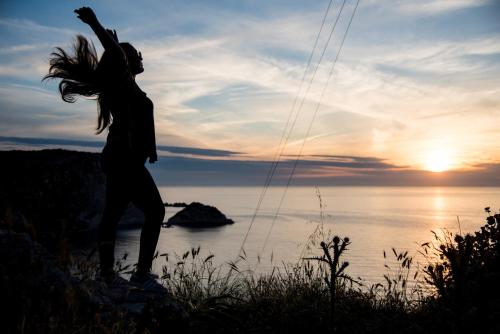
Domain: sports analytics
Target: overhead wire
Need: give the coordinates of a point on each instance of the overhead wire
(279, 149)
(316, 70)
(332, 30)
(310, 125)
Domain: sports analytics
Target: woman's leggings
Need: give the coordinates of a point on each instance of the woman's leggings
(129, 183)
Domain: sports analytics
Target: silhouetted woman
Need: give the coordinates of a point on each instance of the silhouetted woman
(127, 112)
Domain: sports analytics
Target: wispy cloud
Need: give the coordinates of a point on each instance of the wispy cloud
(434, 7)
(29, 25)
(20, 48)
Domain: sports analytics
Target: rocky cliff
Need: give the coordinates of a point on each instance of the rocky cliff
(54, 193)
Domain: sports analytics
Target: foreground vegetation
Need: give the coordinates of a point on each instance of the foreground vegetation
(457, 292)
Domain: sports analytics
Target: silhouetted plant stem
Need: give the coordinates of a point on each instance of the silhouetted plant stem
(332, 251)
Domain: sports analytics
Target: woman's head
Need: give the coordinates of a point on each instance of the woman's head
(134, 58)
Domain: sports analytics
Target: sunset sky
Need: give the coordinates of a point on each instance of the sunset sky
(414, 97)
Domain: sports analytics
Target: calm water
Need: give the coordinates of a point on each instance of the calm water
(374, 218)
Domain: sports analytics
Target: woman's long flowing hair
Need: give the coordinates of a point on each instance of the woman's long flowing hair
(82, 75)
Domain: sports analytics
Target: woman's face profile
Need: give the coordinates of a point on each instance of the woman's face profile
(134, 59)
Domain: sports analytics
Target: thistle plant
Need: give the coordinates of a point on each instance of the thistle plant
(332, 251)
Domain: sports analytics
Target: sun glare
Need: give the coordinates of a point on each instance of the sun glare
(438, 161)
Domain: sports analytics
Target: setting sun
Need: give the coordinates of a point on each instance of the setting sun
(438, 161)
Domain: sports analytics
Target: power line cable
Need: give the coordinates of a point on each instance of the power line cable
(310, 125)
(278, 152)
(273, 168)
(316, 70)
(332, 30)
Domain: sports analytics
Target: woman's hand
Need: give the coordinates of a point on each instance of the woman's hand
(107, 37)
(87, 15)
(113, 34)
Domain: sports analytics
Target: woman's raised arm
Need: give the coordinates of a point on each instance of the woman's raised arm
(108, 38)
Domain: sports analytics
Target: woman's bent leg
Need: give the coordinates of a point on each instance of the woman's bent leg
(116, 203)
(147, 198)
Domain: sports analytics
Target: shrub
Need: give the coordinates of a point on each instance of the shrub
(466, 276)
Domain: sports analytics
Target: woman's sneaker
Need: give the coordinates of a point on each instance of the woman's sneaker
(114, 280)
(114, 286)
(148, 282)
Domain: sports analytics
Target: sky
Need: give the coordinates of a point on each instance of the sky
(413, 98)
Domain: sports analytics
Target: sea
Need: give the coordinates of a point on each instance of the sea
(377, 221)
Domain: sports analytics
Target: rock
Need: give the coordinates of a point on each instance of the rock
(132, 218)
(36, 282)
(199, 215)
(57, 193)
